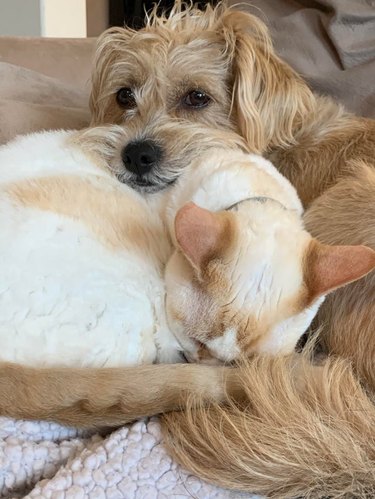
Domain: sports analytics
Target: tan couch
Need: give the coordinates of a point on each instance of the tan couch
(44, 84)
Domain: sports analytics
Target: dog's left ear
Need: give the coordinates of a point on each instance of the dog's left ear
(269, 99)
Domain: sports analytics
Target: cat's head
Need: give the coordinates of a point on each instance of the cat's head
(250, 280)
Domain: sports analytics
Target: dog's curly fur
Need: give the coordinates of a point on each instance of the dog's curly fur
(290, 427)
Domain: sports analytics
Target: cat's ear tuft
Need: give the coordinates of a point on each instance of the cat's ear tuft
(330, 267)
(201, 234)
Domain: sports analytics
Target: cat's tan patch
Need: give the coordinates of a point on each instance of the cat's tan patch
(175, 314)
(204, 354)
(118, 221)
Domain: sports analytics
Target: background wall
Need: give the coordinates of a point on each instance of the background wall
(53, 18)
(20, 17)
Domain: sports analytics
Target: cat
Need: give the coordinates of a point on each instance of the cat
(95, 274)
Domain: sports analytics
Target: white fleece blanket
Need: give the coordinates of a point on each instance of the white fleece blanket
(46, 460)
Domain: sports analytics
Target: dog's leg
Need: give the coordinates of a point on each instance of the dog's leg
(93, 398)
(345, 214)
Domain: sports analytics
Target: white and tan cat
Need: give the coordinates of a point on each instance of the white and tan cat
(95, 274)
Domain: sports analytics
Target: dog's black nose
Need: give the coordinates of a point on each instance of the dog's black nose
(141, 156)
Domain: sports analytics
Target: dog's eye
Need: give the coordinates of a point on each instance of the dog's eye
(125, 98)
(196, 99)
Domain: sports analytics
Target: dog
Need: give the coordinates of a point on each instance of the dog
(289, 426)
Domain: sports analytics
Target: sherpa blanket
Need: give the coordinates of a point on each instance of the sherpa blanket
(46, 460)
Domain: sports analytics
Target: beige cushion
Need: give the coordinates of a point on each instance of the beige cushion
(44, 84)
(66, 59)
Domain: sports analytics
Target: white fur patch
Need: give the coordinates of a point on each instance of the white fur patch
(65, 298)
(233, 176)
(225, 347)
(284, 337)
(44, 154)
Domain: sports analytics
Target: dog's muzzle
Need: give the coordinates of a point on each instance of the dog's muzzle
(141, 157)
(143, 162)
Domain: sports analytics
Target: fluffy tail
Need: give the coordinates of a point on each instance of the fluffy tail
(301, 430)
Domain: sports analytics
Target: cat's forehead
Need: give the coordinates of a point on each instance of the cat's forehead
(266, 217)
(254, 290)
(267, 320)
(266, 248)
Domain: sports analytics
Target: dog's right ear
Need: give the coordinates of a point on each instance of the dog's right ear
(269, 99)
(109, 46)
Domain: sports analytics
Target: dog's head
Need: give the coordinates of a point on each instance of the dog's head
(188, 81)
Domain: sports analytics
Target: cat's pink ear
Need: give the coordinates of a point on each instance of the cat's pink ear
(200, 233)
(330, 267)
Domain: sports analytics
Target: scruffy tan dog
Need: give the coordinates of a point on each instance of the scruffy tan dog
(289, 427)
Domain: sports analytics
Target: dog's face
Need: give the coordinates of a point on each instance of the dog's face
(171, 96)
(187, 82)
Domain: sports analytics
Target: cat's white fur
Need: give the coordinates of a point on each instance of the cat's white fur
(65, 298)
(68, 299)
